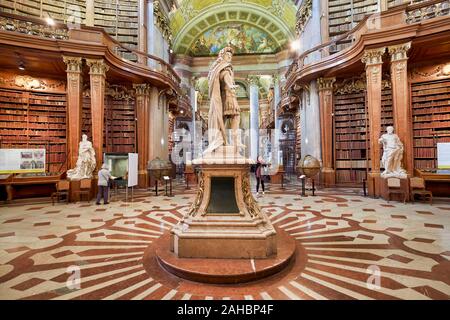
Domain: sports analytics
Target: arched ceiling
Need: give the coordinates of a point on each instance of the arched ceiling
(202, 27)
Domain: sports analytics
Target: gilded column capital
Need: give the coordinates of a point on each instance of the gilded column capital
(97, 66)
(399, 52)
(141, 89)
(326, 83)
(73, 64)
(373, 56)
(253, 80)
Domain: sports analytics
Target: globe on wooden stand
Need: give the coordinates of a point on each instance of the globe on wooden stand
(157, 169)
(309, 167)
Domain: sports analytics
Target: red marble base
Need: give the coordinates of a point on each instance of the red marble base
(223, 271)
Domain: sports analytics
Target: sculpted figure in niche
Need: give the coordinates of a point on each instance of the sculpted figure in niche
(392, 154)
(223, 106)
(86, 161)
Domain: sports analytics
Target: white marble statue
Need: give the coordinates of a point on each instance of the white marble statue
(392, 155)
(86, 161)
(223, 106)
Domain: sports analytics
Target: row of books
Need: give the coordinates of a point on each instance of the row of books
(351, 145)
(425, 152)
(351, 137)
(427, 98)
(351, 175)
(351, 154)
(353, 116)
(425, 107)
(427, 125)
(426, 92)
(350, 130)
(357, 164)
(118, 140)
(46, 126)
(424, 142)
(424, 164)
(433, 117)
(56, 157)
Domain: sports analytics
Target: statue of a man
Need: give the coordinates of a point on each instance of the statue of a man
(86, 161)
(392, 154)
(223, 102)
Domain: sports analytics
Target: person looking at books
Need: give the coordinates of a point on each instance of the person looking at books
(103, 184)
(259, 176)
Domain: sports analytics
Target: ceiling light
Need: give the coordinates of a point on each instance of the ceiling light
(295, 45)
(21, 66)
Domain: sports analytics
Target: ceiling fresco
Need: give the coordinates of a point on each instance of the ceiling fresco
(202, 28)
(243, 38)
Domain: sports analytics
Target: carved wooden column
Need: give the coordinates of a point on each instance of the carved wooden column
(98, 69)
(74, 107)
(326, 128)
(142, 30)
(142, 110)
(373, 59)
(400, 101)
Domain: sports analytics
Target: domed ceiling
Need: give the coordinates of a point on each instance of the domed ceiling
(203, 27)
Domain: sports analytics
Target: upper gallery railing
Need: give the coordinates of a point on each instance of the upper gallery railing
(58, 31)
(406, 14)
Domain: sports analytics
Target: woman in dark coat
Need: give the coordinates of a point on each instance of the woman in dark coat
(259, 175)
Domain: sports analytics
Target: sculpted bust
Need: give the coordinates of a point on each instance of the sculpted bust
(86, 161)
(392, 154)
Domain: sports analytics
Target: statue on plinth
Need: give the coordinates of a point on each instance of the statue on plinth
(392, 155)
(86, 162)
(224, 107)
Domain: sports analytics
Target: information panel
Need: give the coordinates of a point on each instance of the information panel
(132, 169)
(443, 155)
(22, 160)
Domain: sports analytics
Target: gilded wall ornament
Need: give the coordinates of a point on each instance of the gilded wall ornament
(303, 15)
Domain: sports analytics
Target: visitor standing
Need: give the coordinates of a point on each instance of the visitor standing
(103, 184)
(259, 175)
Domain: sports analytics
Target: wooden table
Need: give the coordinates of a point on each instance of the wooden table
(28, 186)
(436, 182)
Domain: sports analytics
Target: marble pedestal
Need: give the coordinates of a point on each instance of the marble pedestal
(224, 220)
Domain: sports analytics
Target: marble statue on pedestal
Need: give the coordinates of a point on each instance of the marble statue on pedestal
(392, 155)
(86, 161)
(223, 106)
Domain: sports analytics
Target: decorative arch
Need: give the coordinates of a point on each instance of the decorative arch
(279, 26)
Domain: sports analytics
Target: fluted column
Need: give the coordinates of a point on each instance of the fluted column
(325, 86)
(400, 101)
(374, 62)
(254, 116)
(98, 69)
(142, 112)
(74, 107)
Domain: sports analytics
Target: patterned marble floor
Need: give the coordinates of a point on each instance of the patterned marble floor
(344, 241)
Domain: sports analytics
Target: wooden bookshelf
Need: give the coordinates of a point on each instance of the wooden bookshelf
(431, 120)
(35, 120)
(351, 133)
(344, 15)
(119, 131)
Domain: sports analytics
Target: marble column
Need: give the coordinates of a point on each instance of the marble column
(142, 30)
(325, 86)
(74, 107)
(254, 117)
(151, 33)
(142, 112)
(374, 62)
(90, 13)
(276, 101)
(158, 125)
(400, 101)
(98, 69)
(310, 120)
